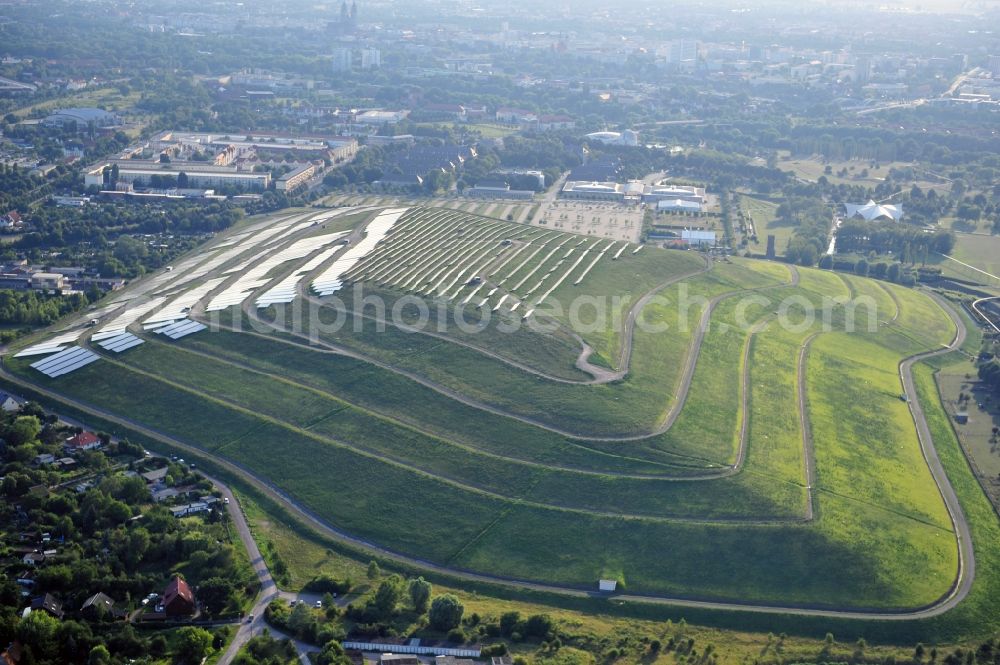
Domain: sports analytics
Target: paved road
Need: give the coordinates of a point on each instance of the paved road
(960, 589)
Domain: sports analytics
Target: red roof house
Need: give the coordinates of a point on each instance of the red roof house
(83, 441)
(178, 600)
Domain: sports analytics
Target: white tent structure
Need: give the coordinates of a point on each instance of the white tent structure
(871, 211)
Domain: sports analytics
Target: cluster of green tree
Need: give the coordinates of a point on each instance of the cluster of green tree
(98, 236)
(31, 308)
(50, 142)
(812, 220)
(19, 190)
(726, 169)
(544, 152)
(893, 271)
(367, 167)
(989, 366)
(100, 546)
(907, 242)
(46, 640)
(397, 606)
(266, 650)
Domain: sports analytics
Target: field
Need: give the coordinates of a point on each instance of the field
(525, 403)
(764, 217)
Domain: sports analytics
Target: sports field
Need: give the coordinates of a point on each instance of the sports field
(732, 431)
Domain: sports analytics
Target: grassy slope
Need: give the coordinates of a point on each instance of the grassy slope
(902, 560)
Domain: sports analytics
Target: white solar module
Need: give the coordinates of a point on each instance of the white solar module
(256, 276)
(65, 361)
(132, 314)
(181, 329)
(177, 308)
(122, 342)
(331, 279)
(52, 345)
(284, 291)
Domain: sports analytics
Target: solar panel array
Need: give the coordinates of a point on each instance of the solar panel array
(284, 291)
(331, 280)
(131, 314)
(256, 276)
(248, 240)
(57, 343)
(120, 343)
(65, 361)
(181, 329)
(177, 308)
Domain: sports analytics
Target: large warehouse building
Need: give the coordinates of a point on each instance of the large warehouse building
(140, 173)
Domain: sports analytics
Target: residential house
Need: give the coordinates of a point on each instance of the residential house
(513, 116)
(99, 607)
(33, 558)
(202, 505)
(8, 402)
(48, 603)
(83, 441)
(178, 599)
(155, 476)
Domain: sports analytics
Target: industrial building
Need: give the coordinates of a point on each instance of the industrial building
(140, 173)
(677, 205)
(630, 192)
(664, 192)
(83, 117)
(687, 199)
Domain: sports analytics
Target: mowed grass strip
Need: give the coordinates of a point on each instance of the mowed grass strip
(396, 396)
(628, 279)
(854, 557)
(774, 446)
(865, 439)
(358, 493)
(549, 486)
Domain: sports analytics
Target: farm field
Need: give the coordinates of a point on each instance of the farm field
(729, 430)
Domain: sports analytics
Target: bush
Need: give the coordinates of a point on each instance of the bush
(327, 584)
(509, 621)
(538, 625)
(446, 612)
(457, 635)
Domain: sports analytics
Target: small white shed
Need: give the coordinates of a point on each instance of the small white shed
(607, 585)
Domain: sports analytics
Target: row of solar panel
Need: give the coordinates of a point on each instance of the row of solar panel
(122, 342)
(331, 279)
(65, 361)
(181, 329)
